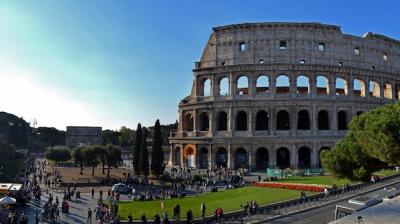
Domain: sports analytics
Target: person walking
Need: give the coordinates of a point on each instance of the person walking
(92, 193)
(203, 210)
(89, 216)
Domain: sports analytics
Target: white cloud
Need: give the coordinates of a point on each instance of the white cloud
(21, 95)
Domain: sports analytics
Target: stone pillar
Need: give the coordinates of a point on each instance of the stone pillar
(332, 85)
(181, 157)
(381, 88)
(350, 86)
(213, 91)
(292, 85)
(273, 120)
(195, 121)
(367, 95)
(232, 85)
(312, 85)
(250, 159)
(231, 118)
(252, 84)
(250, 120)
(293, 120)
(211, 123)
(314, 120)
(334, 119)
(293, 156)
(273, 84)
(230, 162)
(272, 157)
(171, 155)
(211, 162)
(314, 156)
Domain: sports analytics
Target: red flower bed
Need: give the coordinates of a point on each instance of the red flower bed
(290, 186)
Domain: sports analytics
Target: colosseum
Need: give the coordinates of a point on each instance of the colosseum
(274, 95)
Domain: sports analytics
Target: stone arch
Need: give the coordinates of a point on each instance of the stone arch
(176, 156)
(304, 157)
(204, 122)
(323, 120)
(221, 157)
(322, 85)
(222, 121)
(241, 160)
(241, 121)
(189, 155)
(243, 85)
(387, 91)
(303, 84)
(262, 120)
(341, 87)
(282, 120)
(262, 84)
(203, 158)
(223, 86)
(359, 88)
(262, 159)
(319, 155)
(303, 120)
(188, 122)
(282, 84)
(342, 120)
(283, 158)
(205, 87)
(374, 89)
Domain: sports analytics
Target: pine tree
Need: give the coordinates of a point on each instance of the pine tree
(144, 155)
(157, 154)
(136, 152)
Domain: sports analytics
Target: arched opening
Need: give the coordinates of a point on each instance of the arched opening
(323, 120)
(359, 88)
(204, 122)
(342, 120)
(262, 120)
(203, 158)
(319, 155)
(387, 91)
(222, 121)
(241, 158)
(241, 121)
(188, 124)
(262, 84)
(322, 85)
(303, 84)
(303, 120)
(221, 158)
(374, 89)
(397, 91)
(262, 159)
(282, 84)
(282, 120)
(341, 87)
(224, 87)
(283, 158)
(206, 87)
(243, 85)
(177, 157)
(304, 158)
(189, 156)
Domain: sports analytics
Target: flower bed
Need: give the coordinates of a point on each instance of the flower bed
(292, 186)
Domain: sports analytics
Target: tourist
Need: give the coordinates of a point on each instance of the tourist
(177, 213)
(130, 218)
(89, 216)
(144, 219)
(157, 219)
(92, 193)
(101, 195)
(165, 218)
(203, 209)
(189, 216)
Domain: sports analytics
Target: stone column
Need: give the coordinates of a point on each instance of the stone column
(181, 157)
(381, 89)
(250, 120)
(314, 120)
(293, 156)
(210, 156)
(232, 85)
(231, 116)
(250, 159)
(272, 157)
(230, 162)
(314, 156)
(213, 91)
(350, 86)
(312, 85)
(272, 84)
(334, 119)
(292, 85)
(252, 84)
(273, 120)
(332, 85)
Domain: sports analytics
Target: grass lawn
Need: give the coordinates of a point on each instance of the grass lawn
(325, 180)
(228, 200)
(386, 172)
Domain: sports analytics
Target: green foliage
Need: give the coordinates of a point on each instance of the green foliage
(110, 137)
(91, 155)
(14, 130)
(136, 152)
(144, 155)
(157, 158)
(48, 137)
(113, 157)
(372, 143)
(79, 157)
(7, 152)
(126, 136)
(58, 154)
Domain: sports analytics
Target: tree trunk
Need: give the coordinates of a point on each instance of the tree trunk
(93, 170)
(81, 173)
(108, 170)
(103, 169)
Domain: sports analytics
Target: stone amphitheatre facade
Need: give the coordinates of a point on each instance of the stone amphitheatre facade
(268, 95)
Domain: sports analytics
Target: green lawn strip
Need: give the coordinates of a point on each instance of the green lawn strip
(228, 200)
(386, 172)
(325, 180)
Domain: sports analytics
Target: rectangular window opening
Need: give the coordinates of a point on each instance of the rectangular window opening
(321, 47)
(385, 57)
(282, 45)
(261, 61)
(356, 51)
(242, 46)
(302, 61)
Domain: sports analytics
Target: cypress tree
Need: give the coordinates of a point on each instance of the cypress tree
(157, 154)
(144, 155)
(136, 150)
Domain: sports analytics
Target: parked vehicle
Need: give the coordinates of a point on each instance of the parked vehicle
(121, 188)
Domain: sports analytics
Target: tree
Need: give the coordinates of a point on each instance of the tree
(110, 137)
(79, 157)
(144, 155)
(58, 154)
(102, 154)
(157, 158)
(136, 152)
(91, 157)
(372, 143)
(126, 136)
(113, 157)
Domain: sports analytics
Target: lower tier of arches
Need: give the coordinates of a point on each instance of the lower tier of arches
(255, 157)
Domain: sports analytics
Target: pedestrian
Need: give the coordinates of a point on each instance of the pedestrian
(101, 195)
(92, 193)
(157, 219)
(89, 216)
(130, 218)
(144, 219)
(189, 216)
(203, 210)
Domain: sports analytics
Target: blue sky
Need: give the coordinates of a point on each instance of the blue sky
(115, 63)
